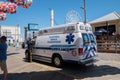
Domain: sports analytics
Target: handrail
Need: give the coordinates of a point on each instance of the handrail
(108, 47)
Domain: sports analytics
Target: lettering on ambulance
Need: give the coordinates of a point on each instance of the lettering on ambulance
(54, 39)
(62, 47)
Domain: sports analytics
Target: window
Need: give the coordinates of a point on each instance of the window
(88, 28)
(82, 27)
(92, 39)
(70, 28)
(52, 31)
(85, 38)
(6, 32)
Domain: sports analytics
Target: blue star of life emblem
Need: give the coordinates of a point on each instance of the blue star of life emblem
(70, 38)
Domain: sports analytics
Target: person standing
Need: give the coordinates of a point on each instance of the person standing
(29, 49)
(3, 56)
(29, 44)
(17, 44)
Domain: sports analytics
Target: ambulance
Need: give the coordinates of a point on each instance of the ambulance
(71, 42)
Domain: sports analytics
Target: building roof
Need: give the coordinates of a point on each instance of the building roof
(108, 17)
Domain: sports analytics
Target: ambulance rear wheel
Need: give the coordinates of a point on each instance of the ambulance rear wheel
(57, 61)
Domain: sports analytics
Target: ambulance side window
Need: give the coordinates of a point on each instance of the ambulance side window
(85, 38)
(82, 27)
(88, 28)
(92, 39)
(70, 29)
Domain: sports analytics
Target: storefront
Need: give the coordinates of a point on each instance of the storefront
(107, 29)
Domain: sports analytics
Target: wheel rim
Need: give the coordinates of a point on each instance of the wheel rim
(57, 61)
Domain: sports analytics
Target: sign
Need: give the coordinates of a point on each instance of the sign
(33, 27)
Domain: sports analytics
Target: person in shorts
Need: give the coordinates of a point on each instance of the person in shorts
(3, 56)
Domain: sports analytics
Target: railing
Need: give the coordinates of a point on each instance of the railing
(108, 47)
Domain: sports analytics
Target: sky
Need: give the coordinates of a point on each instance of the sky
(39, 12)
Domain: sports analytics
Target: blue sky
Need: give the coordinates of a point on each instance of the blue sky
(39, 12)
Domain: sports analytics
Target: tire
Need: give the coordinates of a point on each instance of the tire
(57, 61)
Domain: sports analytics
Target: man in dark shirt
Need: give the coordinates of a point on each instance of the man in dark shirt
(3, 56)
(29, 44)
(29, 48)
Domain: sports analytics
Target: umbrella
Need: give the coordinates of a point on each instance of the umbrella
(101, 30)
(10, 37)
(97, 33)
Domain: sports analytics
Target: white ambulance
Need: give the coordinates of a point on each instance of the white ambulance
(71, 42)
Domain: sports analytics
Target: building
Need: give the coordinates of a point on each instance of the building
(109, 22)
(108, 27)
(12, 32)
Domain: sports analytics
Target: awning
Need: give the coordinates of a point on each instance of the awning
(10, 37)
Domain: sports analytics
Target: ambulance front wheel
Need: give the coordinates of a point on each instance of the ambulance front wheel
(57, 60)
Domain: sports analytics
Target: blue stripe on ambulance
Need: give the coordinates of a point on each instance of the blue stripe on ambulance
(58, 47)
(89, 50)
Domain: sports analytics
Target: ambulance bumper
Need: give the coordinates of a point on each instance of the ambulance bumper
(88, 61)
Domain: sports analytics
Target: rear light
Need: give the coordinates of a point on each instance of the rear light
(80, 50)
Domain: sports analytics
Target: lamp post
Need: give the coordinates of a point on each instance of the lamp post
(33, 34)
(84, 8)
(18, 32)
(6, 32)
(0, 31)
(107, 29)
(107, 32)
(25, 34)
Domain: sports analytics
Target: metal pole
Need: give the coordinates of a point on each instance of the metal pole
(25, 34)
(51, 17)
(0, 31)
(115, 43)
(85, 11)
(84, 8)
(6, 32)
(30, 55)
(15, 33)
(107, 33)
(18, 32)
(33, 34)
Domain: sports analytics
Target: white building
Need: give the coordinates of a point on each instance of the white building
(12, 32)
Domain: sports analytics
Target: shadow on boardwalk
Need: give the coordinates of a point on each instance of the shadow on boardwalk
(42, 75)
(78, 72)
(12, 54)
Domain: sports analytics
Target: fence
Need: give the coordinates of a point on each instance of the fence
(108, 47)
